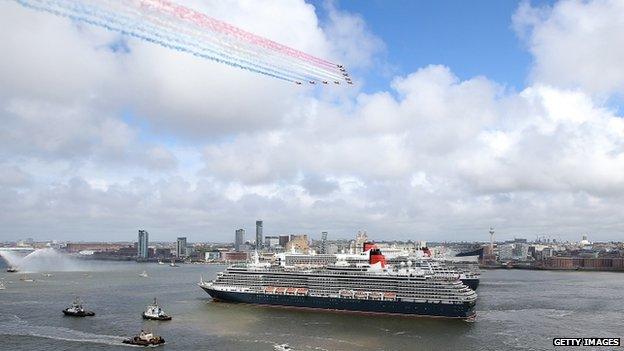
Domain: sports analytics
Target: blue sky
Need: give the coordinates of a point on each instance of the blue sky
(471, 37)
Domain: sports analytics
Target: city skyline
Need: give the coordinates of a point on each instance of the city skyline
(511, 118)
(238, 238)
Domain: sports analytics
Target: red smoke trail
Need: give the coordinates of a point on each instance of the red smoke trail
(219, 26)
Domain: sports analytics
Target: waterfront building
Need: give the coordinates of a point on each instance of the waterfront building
(360, 238)
(520, 251)
(181, 247)
(583, 263)
(239, 239)
(233, 256)
(299, 243)
(505, 252)
(95, 247)
(212, 255)
(283, 240)
(162, 253)
(271, 241)
(142, 244)
(259, 234)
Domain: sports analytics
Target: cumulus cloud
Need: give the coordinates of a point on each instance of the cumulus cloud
(576, 44)
(447, 149)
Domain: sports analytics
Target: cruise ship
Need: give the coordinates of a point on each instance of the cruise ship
(372, 288)
(423, 258)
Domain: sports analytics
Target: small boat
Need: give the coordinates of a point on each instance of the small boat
(154, 312)
(46, 274)
(77, 310)
(11, 269)
(145, 339)
(2, 287)
(282, 347)
(144, 274)
(26, 279)
(173, 264)
(160, 262)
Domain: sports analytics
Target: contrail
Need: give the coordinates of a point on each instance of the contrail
(180, 28)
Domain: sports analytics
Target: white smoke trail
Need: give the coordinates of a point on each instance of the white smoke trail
(179, 28)
(126, 26)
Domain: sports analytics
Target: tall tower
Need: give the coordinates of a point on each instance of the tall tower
(181, 247)
(142, 244)
(324, 242)
(259, 234)
(492, 240)
(239, 239)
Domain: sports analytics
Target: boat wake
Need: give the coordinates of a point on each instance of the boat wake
(19, 327)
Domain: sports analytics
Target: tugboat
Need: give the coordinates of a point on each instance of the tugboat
(12, 269)
(154, 312)
(76, 310)
(145, 339)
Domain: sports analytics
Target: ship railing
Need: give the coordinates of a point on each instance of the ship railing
(231, 288)
(367, 295)
(296, 291)
(330, 273)
(435, 301)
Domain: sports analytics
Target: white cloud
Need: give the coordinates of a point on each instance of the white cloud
(576, 44)
(102, 142)
(449, 151)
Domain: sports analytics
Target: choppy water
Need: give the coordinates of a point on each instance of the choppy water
(520, 310)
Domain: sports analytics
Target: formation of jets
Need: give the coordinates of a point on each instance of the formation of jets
(344, 74)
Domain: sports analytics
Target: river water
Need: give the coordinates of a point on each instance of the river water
(521, 310)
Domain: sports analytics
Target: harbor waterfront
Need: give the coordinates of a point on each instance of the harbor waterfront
(516, 309)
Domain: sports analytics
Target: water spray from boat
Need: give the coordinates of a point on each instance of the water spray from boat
(42, 261)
